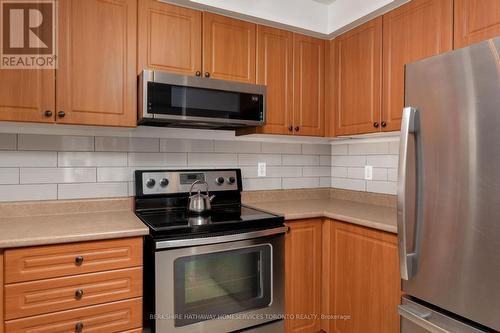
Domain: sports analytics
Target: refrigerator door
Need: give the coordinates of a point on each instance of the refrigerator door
(449, 193)
(417, 318)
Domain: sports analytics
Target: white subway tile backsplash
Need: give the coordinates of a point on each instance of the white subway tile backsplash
(339, 172)
(161, 160)
(28, 159)
(325, 160)
(325, 182)
(92, 190)
(28, 192)
(321, 171)
(211, 159)
(8, 141)
(349, 161)
(382, 161)
(55, 142)
(394, 147)
(57, 175)
(115, 174)
(349, 184)
(392, 175)
(9, 176)
(108, 143)
(316, 149)
(254, 184)
(186, 146)
(253, 159)
(91, 159)
(237, 147)
(381, 187)
(272, 171)
(281, 148)
(339, 149)
(359, 173)
(300, 160)
(289, 183)
(369, 148)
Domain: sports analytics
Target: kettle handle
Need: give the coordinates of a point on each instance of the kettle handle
(198, 182)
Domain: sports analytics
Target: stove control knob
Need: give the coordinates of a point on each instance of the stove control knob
(219, 180)
(164, 182)
(231, 180)
(150, 183)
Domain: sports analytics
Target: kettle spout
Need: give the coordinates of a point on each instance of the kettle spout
(211, 198)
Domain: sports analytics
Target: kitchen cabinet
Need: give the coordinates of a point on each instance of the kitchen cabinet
(169, 38)
(303, 275)
(309, 85)
(228, 48)
(417, 30)
(357, 79)
(475, 21)
(364, 279)
(1, 292)
(96, 79)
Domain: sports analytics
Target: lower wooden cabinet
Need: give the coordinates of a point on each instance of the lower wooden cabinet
(343, 270)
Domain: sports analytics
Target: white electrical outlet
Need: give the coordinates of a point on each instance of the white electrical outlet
(261, 169)
(368, 172)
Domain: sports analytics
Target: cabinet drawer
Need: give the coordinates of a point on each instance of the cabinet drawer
(106, 318)
(42, 262)
(37, 297)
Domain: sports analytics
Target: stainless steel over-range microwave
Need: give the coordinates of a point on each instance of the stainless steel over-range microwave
(173, 100)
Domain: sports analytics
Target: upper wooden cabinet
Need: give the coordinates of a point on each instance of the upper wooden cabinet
(275, 71)
(303, 275)
(169, 38)
(475, 21)
(96, 78)
(309, 85)
(365, 280)
(357, 76)
(419, 29)
(27, 95)
(228, 48)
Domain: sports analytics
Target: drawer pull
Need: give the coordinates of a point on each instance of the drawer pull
(79, 294)
(79, 260)
(79, 327)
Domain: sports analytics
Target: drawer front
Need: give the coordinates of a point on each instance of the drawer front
(37, 297)
(106, 318)
(43, 262)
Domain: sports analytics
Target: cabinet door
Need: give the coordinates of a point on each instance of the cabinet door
(228, 48)
(309, 81)
(303, 275)
(96, 79)
(417, 30)
(169, 38)
(475, 21)
(275, 70)
(25, 95)
(358, 79)
(365, 281)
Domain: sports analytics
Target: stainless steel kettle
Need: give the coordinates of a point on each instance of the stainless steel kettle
(199, 203)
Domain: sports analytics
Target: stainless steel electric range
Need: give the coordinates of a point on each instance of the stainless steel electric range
(210, 263)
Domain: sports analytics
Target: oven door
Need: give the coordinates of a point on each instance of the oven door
(221, 287)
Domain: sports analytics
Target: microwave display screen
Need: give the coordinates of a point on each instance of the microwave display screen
(196, 98)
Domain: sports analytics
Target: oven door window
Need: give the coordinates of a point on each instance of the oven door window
(211, 285)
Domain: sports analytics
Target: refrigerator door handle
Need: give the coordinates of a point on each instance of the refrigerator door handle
(420, 319)
(409, 126)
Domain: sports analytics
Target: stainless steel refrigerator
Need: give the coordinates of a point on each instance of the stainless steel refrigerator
(449, 193)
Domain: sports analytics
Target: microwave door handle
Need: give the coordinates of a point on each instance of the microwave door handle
(420, 319)
(409, 126)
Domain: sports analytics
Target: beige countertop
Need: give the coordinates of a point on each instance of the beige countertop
(41, 223)
(368, 215)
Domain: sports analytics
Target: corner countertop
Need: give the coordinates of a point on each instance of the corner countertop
(43, 223)
(367, 215)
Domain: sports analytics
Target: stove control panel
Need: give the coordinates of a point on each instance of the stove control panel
(154, 182)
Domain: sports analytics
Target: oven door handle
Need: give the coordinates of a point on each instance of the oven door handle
(174, 243)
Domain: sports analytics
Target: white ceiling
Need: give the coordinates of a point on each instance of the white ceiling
(321, 18)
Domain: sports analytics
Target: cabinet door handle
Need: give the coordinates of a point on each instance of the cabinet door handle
(297, 128)
(384, 124)
(79, 260)
(61, 114)
(207, 74)
(375, 124)
(79, 294)
(48, 113)
(79, 327)
(198, 73)
(290, 128)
